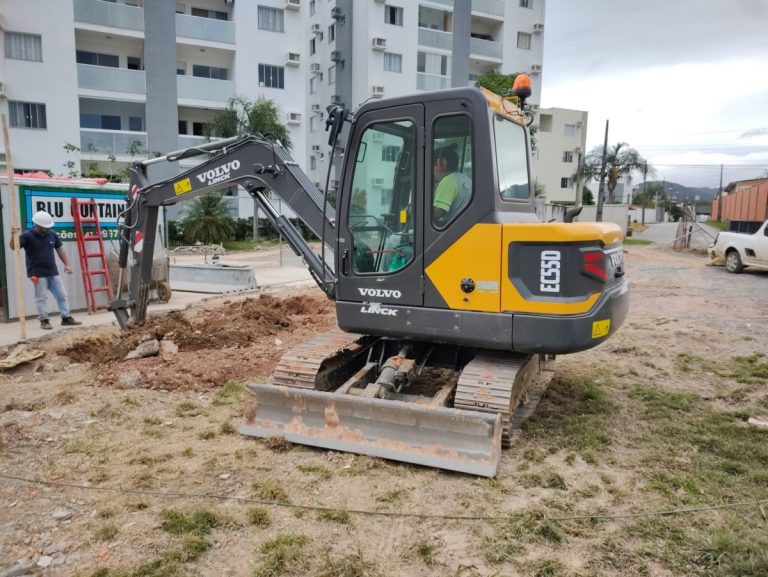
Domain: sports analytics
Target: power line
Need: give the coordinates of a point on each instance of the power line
(185, 495)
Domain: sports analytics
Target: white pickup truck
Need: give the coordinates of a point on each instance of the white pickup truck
(739, 250)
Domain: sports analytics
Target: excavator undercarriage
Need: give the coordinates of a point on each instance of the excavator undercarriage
(430, 404)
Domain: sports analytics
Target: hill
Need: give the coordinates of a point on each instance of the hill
(682, 192)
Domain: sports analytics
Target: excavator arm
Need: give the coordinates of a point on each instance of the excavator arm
(258, 165)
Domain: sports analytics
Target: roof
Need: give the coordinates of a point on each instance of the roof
(43, 178)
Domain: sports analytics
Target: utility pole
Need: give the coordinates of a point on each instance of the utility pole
(599, 216)
(720, 197)
(579, 179)
(645, 198)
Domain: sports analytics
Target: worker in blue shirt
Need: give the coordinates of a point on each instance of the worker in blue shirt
(39, 244)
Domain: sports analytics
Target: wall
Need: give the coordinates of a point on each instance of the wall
(615, 213)
(746, 204)
(551, 144)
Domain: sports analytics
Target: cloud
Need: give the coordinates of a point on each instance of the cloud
(754, 133)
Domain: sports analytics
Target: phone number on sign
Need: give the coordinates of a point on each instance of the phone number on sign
(106, 234)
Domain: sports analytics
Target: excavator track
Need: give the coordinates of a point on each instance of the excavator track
(320, 363)
(503, 383)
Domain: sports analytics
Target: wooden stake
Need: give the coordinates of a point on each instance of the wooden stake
(15, 232)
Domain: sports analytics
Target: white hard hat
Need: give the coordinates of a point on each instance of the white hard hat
(43, 219)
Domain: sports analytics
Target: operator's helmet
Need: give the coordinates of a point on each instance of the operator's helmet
(43, 219)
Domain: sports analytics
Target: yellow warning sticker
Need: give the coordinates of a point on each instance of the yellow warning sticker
(403, 217)
(601, 328)
(182, 186)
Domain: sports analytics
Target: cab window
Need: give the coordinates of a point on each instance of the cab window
(511, 160)
(380, 215)
(451, 168)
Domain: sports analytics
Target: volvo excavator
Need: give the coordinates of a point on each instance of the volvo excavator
(452, 298)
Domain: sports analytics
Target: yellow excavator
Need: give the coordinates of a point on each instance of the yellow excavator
(452, 298)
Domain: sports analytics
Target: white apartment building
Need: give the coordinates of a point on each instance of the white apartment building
(561, 141)
(92, 81)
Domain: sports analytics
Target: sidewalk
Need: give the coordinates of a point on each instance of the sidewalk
(270, 277)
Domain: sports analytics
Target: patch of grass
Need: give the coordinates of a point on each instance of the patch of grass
(748, 370)
(227, 428)
(426, 551)
(259, 516)
(727, 553)
(321, 471)
(548, 479)
(278, 444)
(105, 533)
(717, 224)
(575, 414)
(546, 567)
(231, 392)
(188, 452)
(335, 515)
(152, 421)
(188, 409)
(82, 445)
(65, 397)
(686, 362)
(197, 523)
(270, 490)
(131, 402)
(520, 529)
(207, 435)
(636, 241)
(283, 555)
(348, 566)
(533, 455)
(391, 496)
(239, 245)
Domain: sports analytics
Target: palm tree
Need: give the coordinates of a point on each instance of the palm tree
(621, 161)
(241, 116)
(208, 220)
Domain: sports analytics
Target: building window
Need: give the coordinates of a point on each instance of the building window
(312, 46)
(198, 129)
(331, 33)
(181, 68)
(96, 59)
(312, 124)
(270, 19)
(313, 84)
(271, 76)
(393, 15)
(434, 19)
(311, 7)
(209, 72)
(332, 75)
(523, 40)
(182, 126)
(570, 130)
(27, 114)
(180, 8)
(313, 162)
(390, 153)
(567, 156)
(431, 63)
(393, 62)
(135, 124)
(565, 183)
(134, 63)
(205, 13)
(526, 3)
(20, 46)
(100, 121)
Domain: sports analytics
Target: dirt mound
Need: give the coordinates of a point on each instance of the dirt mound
(88, 349)
(236, 340)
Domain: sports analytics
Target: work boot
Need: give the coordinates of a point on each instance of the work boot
(69, 322)
(45, 324)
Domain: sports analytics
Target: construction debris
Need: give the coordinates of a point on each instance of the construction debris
(19, 355)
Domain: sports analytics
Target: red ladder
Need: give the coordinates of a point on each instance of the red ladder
(85, 212)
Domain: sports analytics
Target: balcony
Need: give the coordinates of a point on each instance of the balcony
(109, 14)
(432, 81)
(479, 48)
(435, 39)
(111, 79)
(491, 7)
(113, 142)
(205, 29)
(195, 88)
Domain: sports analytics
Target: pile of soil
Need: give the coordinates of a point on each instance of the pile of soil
(236, 340)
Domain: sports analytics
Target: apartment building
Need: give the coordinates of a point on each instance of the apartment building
(108, 81)
(561, 141)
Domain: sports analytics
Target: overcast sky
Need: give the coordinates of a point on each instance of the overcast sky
(683, 81)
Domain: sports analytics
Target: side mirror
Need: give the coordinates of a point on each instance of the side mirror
(336, 117)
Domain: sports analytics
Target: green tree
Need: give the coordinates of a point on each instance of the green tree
(242, 116)
(621, 162)
(497, 82)
(586, 197)
(208, 220)
(653, 190)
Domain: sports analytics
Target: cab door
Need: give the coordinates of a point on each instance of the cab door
(380, 252)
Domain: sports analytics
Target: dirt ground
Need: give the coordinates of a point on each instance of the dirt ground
(148, 477)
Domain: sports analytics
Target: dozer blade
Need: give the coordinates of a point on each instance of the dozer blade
(452, 439)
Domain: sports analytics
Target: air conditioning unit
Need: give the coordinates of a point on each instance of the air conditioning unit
(378, 181)
(292, 59)
(378, 43)
(336, 56)
(315, 67)
(316, 108)
(316, 29)
(229, 2)
(377, 91)
(579, 124)
(381, 1)
(292, 4)
(538, 28)
(294, 118)
(320, 156)
(536, 69)
(534, 107)
(336, 13)
(577, 150)
(315, 148)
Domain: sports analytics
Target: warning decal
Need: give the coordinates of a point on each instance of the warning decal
(601, 328)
